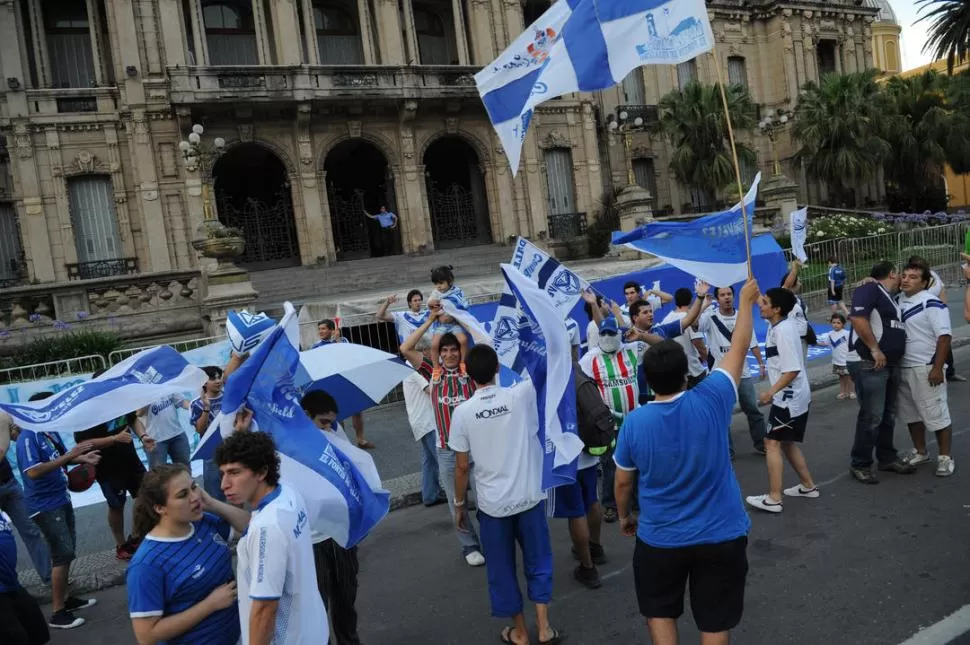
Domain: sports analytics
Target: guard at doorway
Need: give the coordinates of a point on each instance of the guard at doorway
(388, 222)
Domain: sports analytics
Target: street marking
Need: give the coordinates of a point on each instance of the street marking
(943, 632)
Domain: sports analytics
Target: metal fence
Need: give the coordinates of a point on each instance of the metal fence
(117, 356)
(53, 369)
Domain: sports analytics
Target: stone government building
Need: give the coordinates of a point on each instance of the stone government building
(330, 107)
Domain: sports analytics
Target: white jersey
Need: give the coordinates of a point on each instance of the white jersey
(417, 402)
(718, 343)
(798, 317)
(592, 335)
(276, 563)
(499, 429)
(839, 342)
(926, 319)
(162, 420)
(936, 284)
(652, 299)
(783, 350)
(686, 340)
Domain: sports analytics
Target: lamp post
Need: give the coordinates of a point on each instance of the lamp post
(626, 122)
(770, 126)
(197, 156)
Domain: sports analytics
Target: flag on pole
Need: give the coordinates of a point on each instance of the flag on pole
(545, 353)
(799, 233)
(564, 287)
(712, 248)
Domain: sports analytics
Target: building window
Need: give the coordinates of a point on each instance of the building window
(559, 180)
(11, 255)
(634, 92)
(892, 60)
(532, 10)
(686, 73)
(646, 176)
(737, 71)
(230, 33)
(435, 44)
(338, 37)
(69, 43)
(92, 209)
(826, 57)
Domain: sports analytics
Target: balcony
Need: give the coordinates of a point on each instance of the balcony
(567, 226)
(206, 85)
(75, 100)
(102, 269)
(649, 114)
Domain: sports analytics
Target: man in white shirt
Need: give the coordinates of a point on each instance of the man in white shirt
(922, 390)
(632, 292)
(718, 325)
(417, 402)
(937, 289)
(498, 428)
(790, 398)
(691, 340)
(279, 603)
(164, 428)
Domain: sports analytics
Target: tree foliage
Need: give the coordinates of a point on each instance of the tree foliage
(948, 34)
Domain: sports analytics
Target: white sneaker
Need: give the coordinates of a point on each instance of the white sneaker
(798, 491)
(475, 559)
(914, 458)
(764, 503)
(944, 466)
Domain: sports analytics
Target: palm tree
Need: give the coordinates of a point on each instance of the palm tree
(949, 30)
(693, 120)
(958, 103)
(840, 123)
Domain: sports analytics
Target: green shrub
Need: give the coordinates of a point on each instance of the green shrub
(599, 232)
(65, 345)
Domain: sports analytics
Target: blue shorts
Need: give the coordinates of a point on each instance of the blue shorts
(576, 499)
(57, 527)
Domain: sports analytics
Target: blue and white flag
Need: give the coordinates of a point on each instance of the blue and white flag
(480, 335)
(712, 248)
(135, 382)
(338, 481)
(799, 233)
(246, 331)
(561, 285)
(545, 353)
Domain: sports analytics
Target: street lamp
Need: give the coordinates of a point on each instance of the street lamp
(196, 156)
(628, 120)
(770, 125)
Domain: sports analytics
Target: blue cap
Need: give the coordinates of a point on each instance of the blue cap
(609, 326)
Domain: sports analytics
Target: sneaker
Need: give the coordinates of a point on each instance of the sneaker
(760, 450)
(596, 553)
(475, 559)
(958, 378)
(764, 503)
(73, 603)
(609, 515)
(898, 467)
(798, 491)
(914, 458)
(944, 466)
(864, 475)
(64, 620)
(852, 395)
(841, 396)
(589, 578)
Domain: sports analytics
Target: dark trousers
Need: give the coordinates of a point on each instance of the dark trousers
(877, 391)
(337, 581)
(21, 620)
(951, 369)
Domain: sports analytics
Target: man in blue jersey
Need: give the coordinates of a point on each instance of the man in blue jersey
(692, 524)
(21, 620)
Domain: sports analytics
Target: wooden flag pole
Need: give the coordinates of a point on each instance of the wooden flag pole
(734, 157)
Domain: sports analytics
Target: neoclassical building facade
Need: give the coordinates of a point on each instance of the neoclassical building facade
(332, 108)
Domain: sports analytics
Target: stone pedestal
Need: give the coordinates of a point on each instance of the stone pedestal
(780, 192)
(222, 291)
(633, 204)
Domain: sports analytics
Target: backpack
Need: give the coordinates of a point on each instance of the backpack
(594, 419)
(810, 337)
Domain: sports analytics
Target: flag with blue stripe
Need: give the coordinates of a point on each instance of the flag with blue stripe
(545, 354)
(561, 285)
(712, 248)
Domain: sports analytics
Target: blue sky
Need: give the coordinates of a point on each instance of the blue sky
(914, 36)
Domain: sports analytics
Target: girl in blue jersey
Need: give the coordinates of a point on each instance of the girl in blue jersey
(180, 587)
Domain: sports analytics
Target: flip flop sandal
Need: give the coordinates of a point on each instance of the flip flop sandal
(506, 635)
(366, 445)
(557, 638)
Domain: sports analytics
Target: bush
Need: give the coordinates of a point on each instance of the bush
(833, 227)
(74, 344)
(599, 232)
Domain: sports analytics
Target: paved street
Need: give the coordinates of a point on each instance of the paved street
(866, 565)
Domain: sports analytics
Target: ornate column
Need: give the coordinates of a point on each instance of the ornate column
(482, 33)
(171, 23)
(808, 45)
(791, 66)
(366, 33)
(390, 38)
(263, 46)
(309, 33)
(317, 238)
(412, 56)
(286, 32)
(409, 185)
(146, 181)
(12, 62)
(461, 37)
(39, 40)
(120, 191)
(512, 11)
(124, 33)
(506, 191)
(537, 202)
(101, 72)
(33, 223)
(592, 157)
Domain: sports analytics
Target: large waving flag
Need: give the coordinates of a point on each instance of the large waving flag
(135, 382)
(338, 481)
(712, 248)
(545, 353)
(799, 233)
(564, 287)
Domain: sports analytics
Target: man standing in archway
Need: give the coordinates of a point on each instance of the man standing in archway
(388, 222)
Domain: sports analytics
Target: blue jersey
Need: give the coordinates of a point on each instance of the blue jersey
(668, 331)
(166, 577)
(837, 275)
(8, 556)
(329, 341)
(50, 491)
(197, 408)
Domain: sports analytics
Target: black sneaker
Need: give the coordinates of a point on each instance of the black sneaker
(609, 515)
(73, 603)
(760, 450)
(597, 553)
(899, 467)
(863, 475)
(589, 578)
(64, 620)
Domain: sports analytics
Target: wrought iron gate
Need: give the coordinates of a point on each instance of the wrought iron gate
(270, 231)
(350, 234)
(456, 218)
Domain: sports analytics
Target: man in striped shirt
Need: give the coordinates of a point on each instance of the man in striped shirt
(446, 391)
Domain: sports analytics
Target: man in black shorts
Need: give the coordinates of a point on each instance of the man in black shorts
(119, 472)
(692, 527)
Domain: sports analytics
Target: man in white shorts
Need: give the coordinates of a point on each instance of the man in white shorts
(922, 390)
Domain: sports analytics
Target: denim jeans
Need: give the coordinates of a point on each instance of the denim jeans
(430, 487)
(177, 448)
(446, 469)
(58, 528)
(876, 391)
(12, 503)
(854, 368)
(748, 400)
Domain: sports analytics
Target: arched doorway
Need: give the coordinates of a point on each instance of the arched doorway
(456, 195)
(253, 194)
(358, 181)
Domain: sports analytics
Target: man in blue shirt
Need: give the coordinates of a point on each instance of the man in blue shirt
(877, 323)
(388, 222)
(21, 620)
(692, 523)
